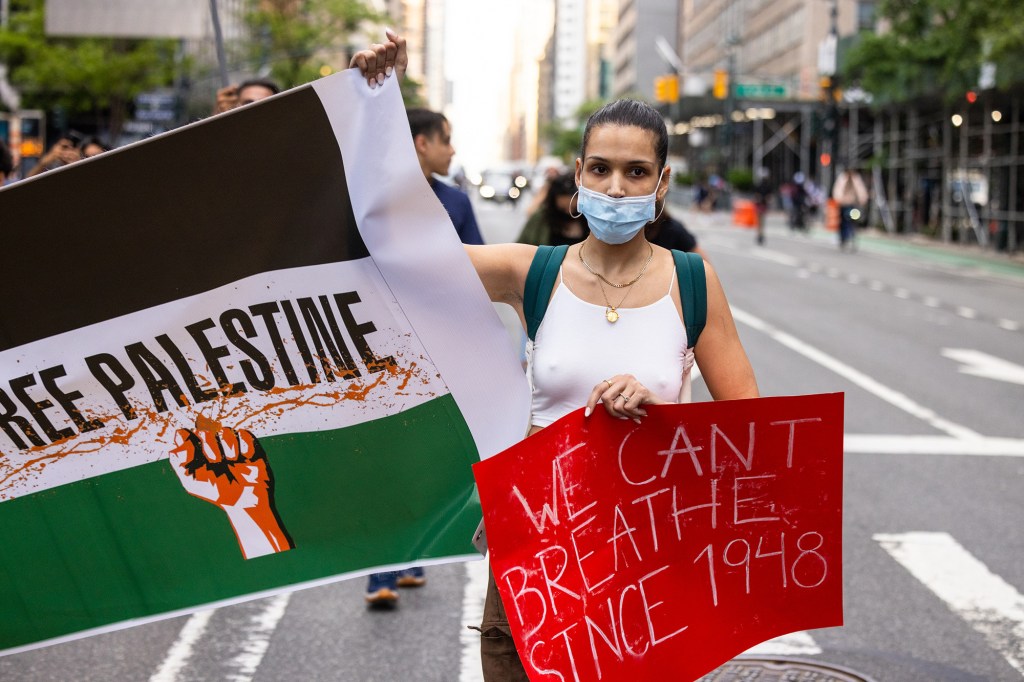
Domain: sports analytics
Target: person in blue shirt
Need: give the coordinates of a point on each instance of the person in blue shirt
(432, 136)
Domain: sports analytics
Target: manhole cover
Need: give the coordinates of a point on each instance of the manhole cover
(752, 669)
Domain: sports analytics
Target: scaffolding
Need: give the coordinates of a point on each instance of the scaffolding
(954, 173)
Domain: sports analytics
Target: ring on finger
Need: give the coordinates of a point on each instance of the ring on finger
(625, 397)
(607, 381)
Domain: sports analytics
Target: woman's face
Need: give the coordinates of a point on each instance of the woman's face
(621, 161)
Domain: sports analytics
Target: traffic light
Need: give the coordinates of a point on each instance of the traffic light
(32, 128)
(666, 88)
(720, 85)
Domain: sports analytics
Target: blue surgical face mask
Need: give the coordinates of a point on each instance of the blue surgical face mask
(616, 220)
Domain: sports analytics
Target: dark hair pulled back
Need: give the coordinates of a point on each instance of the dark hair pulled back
(631, 112)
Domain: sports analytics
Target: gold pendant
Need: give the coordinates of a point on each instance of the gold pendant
(611, 314)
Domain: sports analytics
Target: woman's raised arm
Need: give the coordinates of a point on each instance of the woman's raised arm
(502, 268)
(380, 60)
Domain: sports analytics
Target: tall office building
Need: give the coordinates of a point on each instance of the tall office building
(769, 40)
(421, 23)
(570, 63)
(639, 26)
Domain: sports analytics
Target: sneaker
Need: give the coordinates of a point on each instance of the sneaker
(381, 590)
(412, 577)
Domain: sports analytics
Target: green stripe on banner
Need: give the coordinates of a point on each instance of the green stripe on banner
(133, 543)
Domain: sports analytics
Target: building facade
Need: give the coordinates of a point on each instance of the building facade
(637, 62)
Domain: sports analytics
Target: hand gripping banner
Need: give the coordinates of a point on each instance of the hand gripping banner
(660, 551)
(236, 359)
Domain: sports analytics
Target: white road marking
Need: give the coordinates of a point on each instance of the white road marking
(1009, 325)
(255, 639)
(875, 285)
(979, 364)
(889, 395)
(964, 311)
(793, 644)
(901, 293)
(931, 301)
(472, 613)
(932, 445)
(988, 603)
(181, 651)
(777, 257)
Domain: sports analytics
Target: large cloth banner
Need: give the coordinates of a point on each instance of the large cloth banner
(235, 359)
(660, 551)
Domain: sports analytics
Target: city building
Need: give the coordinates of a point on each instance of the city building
(641, 24)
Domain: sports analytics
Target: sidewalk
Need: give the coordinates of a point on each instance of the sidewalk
(871, 240)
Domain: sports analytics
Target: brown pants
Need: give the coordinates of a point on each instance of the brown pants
(498, 653)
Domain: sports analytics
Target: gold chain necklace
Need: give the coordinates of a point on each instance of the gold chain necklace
(611, 312)
(613, 284)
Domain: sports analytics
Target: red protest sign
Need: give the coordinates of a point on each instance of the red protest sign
(662, 550)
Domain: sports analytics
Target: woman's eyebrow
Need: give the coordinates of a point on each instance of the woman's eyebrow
(635, 162)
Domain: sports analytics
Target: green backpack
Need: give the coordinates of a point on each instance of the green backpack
(693, 289)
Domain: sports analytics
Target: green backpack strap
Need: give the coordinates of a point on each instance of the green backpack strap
(693, 293)
(540, 280)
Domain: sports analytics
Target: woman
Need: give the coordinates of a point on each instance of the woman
(614, 325)
(553, 222)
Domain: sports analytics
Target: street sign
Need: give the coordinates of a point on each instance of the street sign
(762, 90)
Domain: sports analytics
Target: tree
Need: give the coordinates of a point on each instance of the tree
(566, 139)
(295, 37)
(936, 47)
(95, 77)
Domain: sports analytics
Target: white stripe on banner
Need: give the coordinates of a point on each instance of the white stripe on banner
(990, 604)
(284, 408)
(412, 241)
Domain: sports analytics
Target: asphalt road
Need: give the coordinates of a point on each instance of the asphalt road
(928, 347)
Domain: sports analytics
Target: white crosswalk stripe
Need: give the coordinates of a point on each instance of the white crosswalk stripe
(987, 602)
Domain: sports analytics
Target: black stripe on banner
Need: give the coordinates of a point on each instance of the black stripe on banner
(260, 188)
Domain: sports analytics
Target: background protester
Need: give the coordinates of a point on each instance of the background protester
(669, 233)
(63, 152)
(6, 163)
(553, 222)
(92, 147)
(247, 92)
(432, 137)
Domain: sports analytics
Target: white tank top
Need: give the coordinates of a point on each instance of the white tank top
(576, 348)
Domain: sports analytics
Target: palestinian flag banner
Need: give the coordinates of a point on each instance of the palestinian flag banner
(242, 357)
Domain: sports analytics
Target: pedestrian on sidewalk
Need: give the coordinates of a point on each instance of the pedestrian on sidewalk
(798, 202)
(850, 192)
(762, 197)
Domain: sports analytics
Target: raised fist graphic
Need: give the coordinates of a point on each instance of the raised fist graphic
(228, 468)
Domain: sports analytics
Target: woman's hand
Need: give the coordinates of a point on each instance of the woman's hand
(623, 396)
(380, 60)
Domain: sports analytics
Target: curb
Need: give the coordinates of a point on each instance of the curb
(954, 256)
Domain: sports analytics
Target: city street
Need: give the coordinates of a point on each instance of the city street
(927, 344)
